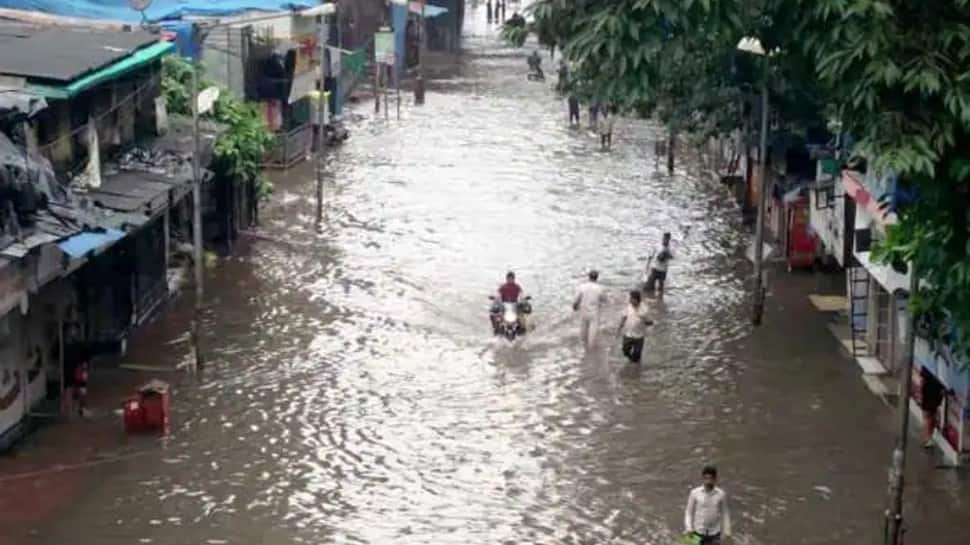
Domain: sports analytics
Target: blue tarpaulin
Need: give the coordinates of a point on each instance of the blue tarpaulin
(120, 10)
(83, 243)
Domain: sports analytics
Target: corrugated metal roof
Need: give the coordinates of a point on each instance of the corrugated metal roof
(64, 54)
(134, 191)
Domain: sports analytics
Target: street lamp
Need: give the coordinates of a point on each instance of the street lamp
(753, 46)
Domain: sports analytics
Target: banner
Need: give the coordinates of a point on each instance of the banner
(356, 62)
(384, 48)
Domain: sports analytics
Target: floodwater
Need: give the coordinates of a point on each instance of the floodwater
(354, 394)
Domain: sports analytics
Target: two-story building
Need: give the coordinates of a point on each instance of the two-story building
(852, 206)
(94, 188)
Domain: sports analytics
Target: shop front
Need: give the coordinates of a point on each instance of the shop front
(952, 434)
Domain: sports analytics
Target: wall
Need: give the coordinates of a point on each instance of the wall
(12, 405)
(828, 219)
(123, 110)
(886, 276)
(224, 52)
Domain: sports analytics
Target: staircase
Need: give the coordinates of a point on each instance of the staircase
(858, 308)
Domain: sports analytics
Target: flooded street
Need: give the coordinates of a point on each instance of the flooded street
(354, 393)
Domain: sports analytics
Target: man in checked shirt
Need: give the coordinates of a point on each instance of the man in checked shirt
(707, 515)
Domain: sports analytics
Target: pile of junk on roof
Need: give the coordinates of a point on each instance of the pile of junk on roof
(34, 199)
(27, 181)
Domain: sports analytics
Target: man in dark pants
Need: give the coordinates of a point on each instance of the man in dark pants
(633, 326)
(658, 269)
(707, 516)
(573, 110)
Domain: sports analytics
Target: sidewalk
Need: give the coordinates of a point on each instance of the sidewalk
(877, 379)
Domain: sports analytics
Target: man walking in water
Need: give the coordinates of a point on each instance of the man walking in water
(573, 110)
(590, 298)
(658, 269)
(633, 326)
(707, 516)
(606, 128)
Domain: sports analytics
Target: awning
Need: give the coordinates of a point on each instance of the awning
(429, 10)
(135, 60)
(854, 188)
(83, 244)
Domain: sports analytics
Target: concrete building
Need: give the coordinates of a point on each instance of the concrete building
(94, 198)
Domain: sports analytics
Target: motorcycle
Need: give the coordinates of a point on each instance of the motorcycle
(507, 318)
(536, 75)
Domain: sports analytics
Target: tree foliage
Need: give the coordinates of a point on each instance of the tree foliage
(239, 151)
(895, 73)
(901, 70)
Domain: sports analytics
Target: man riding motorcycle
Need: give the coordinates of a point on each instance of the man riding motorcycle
(509, 292)
(535, 64)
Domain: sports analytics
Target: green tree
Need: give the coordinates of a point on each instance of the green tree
(671, 58)
(239, 151)
(902, 71)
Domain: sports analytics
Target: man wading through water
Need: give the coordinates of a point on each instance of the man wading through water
(707, 517)
(633, 326)
(589, 300)
(658, 269)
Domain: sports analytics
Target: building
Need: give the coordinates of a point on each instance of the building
(878, 297)
(95, 191)
(832, 214)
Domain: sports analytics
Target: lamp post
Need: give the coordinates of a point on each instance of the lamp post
(753, 46)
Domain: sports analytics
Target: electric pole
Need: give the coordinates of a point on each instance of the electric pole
(197, 219)
(759, 236)
(894, 515)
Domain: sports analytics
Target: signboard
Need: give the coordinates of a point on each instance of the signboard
(384, 47)
(207, 99)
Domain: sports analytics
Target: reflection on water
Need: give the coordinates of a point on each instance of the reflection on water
(354, 394)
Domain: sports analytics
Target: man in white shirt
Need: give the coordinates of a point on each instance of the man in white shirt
(633, 326)
(590, 298)
(707, 515)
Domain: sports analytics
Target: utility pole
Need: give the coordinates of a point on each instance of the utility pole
(894, 515)
(759, 236)
(321, 104)
(196, 217)
(419, 82)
